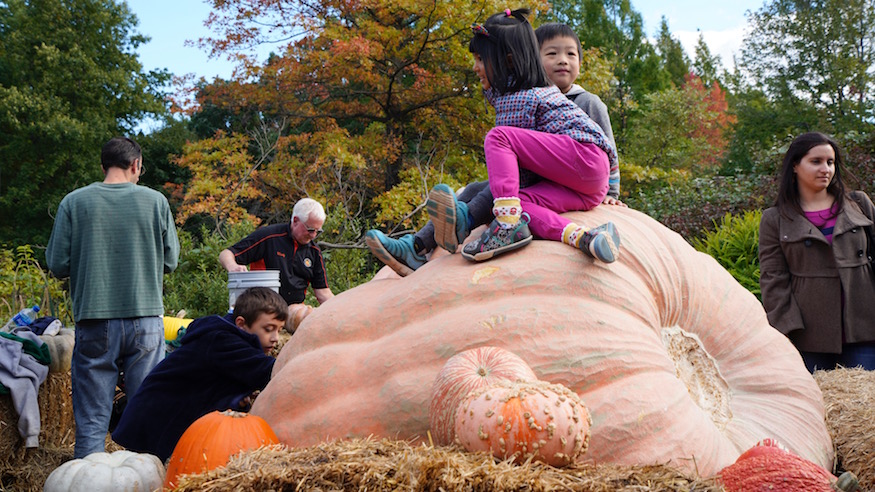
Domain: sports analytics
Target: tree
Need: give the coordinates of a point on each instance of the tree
(705, 65)
(69, 81)
(683, 129)
(674, 60)
(365, 99)
(815, 52)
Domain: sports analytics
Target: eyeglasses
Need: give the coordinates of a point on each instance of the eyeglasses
(142, 167)
(312, 230)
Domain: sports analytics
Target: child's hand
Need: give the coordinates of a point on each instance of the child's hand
(609, 200)
(246, 403)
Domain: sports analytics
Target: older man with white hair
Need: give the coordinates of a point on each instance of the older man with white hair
(288, 248)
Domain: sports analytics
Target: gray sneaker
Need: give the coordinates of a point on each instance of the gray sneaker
(399, 253)
(602, 243)
(495, 240)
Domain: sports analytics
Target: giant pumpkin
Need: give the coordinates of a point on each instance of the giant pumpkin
(675, 360)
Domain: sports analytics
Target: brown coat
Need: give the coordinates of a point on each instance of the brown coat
(802, 278)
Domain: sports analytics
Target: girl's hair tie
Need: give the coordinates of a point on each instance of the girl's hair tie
(479, 29)
(507, 12)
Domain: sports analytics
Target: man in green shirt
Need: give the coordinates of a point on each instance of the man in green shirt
(115, 240)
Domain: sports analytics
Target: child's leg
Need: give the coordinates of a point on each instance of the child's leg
(542, 202)
(583, 168)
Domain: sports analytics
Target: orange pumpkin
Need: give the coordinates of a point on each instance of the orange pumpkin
(525, 419)
(675, 360)
(461, 375)
(211, 440)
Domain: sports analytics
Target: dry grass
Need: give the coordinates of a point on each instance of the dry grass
(849, 398)
(384, 465)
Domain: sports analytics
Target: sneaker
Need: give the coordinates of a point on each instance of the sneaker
(495, 240)
(602, 243)
(399, 254)
(449, 216)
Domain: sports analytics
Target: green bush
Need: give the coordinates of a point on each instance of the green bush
(24, 282)
(692, 206)
(347, 264)
(199, 285)
(734, 243)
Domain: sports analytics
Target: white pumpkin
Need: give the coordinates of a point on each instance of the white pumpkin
(104, 472)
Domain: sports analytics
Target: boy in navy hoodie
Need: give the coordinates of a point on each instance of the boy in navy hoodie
(221, 362)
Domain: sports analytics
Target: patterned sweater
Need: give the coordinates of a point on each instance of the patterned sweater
(546, 109)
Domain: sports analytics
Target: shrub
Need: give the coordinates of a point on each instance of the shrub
(23, 283)
(347, 263)
(692, 206)
(199, 285)
(734, 243)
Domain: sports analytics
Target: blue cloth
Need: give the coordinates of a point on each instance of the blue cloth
(216, 367)
(853, 355)
(39, 325)
(103, 349)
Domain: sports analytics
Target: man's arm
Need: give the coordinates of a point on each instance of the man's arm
(323, 295)
(58, 250)
(226, 258)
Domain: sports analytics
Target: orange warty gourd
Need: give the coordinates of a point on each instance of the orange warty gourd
(462, 374)
(211, 440)
(524, 419)
(768, 466)
(675, 360)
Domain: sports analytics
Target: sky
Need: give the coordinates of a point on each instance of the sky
(170, 23)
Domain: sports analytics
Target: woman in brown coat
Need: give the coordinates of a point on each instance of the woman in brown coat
(815, 267)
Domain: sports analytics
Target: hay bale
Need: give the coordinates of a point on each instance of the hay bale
(56, 415)
(849, 399)
(26, 469)
(365, 464)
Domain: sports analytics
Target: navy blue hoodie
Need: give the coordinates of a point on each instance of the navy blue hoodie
(217, 365)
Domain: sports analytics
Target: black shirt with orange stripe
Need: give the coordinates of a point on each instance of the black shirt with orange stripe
(274, 248)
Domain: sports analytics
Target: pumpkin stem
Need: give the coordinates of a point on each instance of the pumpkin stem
(481, 371)
(234, 413)
(847, 482)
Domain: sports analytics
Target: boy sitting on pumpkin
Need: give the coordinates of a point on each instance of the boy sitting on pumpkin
(222, 361)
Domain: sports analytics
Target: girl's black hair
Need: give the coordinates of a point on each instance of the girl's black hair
(788, 189)
(509, 50)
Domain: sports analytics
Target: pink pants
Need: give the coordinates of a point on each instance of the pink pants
(581, 168)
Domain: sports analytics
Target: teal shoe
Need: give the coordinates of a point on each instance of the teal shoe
(398, 254)
(602, 243)
(449, 216)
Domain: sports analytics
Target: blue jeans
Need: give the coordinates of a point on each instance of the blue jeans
(103, 349)
(853, 355)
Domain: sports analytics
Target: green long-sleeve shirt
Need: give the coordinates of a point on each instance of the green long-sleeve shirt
(115, 242)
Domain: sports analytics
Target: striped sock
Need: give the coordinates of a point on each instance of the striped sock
(507, 211)
(571, 234)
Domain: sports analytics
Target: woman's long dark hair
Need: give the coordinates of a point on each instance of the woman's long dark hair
(788, 189)
(510, 35)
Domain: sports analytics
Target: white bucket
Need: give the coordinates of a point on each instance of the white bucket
(240, 281)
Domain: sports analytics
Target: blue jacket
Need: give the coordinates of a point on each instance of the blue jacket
(216, 367)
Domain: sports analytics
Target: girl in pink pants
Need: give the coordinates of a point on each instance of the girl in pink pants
(541, 137)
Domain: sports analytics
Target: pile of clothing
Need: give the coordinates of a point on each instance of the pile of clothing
(24, 366)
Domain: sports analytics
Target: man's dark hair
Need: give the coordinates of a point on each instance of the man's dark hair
(255, 301)
(120, 152)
